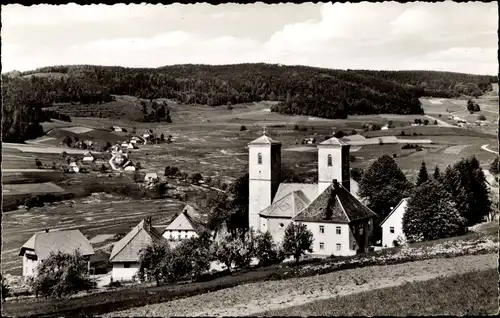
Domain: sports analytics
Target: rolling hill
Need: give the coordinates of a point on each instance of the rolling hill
(299, 90)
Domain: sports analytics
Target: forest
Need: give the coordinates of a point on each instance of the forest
(299, 89)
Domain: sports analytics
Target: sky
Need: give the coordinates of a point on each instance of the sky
(447, 36)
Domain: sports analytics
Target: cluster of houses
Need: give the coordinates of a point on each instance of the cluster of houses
(341, 223)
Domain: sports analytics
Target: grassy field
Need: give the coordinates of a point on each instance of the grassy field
(256, 298)
(32, 188)
(474, 293)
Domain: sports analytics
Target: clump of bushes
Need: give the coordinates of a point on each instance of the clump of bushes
(481, 117)
(243, 128)
(411, 146)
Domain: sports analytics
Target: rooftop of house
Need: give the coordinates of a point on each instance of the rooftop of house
(44, 243)
(335, 205)
(128, 249)
(401, 203)
(188, 219)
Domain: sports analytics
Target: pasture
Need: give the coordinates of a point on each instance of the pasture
(30, 188)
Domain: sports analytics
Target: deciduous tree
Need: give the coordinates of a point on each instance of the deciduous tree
(61, 275)
(297, 241)
(431, 214)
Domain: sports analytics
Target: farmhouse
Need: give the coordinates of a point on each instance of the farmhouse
(183, 226)
(392, 225)
(42, 244)
(117, 128)
(151, 177)
(385, 127)
(88, 157)
(126, 252)
(340, 222)
(73, 167)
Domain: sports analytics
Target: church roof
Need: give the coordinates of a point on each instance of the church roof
(333, 142)
(287, 206)
(310, 190)
(334, 205)
(264, 140)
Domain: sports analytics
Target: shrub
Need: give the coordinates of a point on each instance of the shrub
(5, 288)
(243, 128)
(435, 122)
(229, 107)
(61, 275)
(354, 132)
(33, 201)
(380, 141)
(339, 134)
(402, 133)
(426, 122)
(196, 177)
(394, 155)
(156, 264)
(296, 127)
(481, 117)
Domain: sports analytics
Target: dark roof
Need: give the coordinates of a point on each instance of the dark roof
(129, 247)
(335, 205)
(43, 243)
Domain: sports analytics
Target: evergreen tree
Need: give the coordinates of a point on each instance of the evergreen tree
(466, 183)
(437, 174)
(383, 184)
(423, 176)
(431, 214)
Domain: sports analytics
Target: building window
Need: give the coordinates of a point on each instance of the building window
(391, 229)
(259, 158)
(321, 246)
(338, 230)
(322, 229)
(339, 247)
(329, 159)
(126, 265)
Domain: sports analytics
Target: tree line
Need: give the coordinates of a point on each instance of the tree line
(298, 89)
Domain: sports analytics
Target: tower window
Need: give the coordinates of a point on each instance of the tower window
(259, 158)
(329, 159)
(322, 229)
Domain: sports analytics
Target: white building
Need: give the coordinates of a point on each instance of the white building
(392, 225)
(184, 226)
(73, 167)
(42, 244)
(126, 252)
(88, 157)
(385, 127)
(151, 177)
(340, 223)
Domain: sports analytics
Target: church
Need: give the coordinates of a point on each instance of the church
(341, 224)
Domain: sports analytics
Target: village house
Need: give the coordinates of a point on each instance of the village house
(73, 167)
(117, 128)
(385, 127)
(42, 244)
(126, 252)
(151, 177)
(392, 225)
(88, 157)
(341, 224)
(184, 226)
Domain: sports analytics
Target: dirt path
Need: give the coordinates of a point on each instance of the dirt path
(251, 299)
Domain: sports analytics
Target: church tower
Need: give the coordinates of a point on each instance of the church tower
(333, 163)
(264, 176)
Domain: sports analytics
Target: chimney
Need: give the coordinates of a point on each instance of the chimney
(335, 184)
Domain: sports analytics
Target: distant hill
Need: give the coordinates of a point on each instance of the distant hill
(299, 89)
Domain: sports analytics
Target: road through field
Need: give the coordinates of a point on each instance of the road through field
(255, 298)
(485, 148)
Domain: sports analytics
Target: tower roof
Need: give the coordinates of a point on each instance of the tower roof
(264, 140)
(333, 142)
